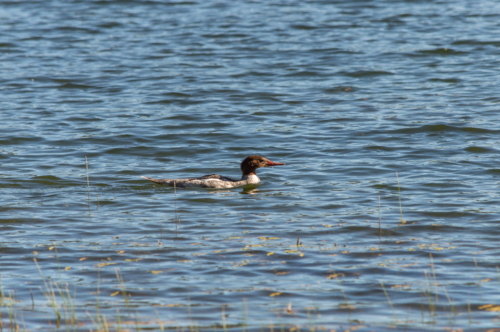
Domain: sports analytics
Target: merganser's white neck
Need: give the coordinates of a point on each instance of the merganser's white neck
(251, 178)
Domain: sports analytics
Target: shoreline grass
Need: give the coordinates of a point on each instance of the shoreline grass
(61, 308)
(69, 315)
(88, 182)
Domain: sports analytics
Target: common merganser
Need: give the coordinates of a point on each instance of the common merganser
(248, 167)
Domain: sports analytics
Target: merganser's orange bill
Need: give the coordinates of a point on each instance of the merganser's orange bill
(272, 163)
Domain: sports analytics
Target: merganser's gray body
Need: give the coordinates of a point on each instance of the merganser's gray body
(248, 167)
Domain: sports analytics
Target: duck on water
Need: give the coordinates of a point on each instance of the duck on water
(248, 167)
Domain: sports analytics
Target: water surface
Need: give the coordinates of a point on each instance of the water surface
(385, 216)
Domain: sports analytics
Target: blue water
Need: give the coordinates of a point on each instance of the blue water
(385, 216)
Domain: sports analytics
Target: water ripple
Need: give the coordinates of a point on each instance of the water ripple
(384, 112)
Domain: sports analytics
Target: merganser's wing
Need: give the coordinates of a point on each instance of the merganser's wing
(207, 181)
(168, 182)
(217, 177)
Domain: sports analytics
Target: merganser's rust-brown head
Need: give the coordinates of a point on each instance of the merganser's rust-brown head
(251, 163)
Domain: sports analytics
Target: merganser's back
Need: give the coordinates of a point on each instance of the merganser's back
(248, 167)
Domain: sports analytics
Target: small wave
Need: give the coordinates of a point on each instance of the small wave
(478, 149)
(367, 73)
(443, 128)
(440, 51)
